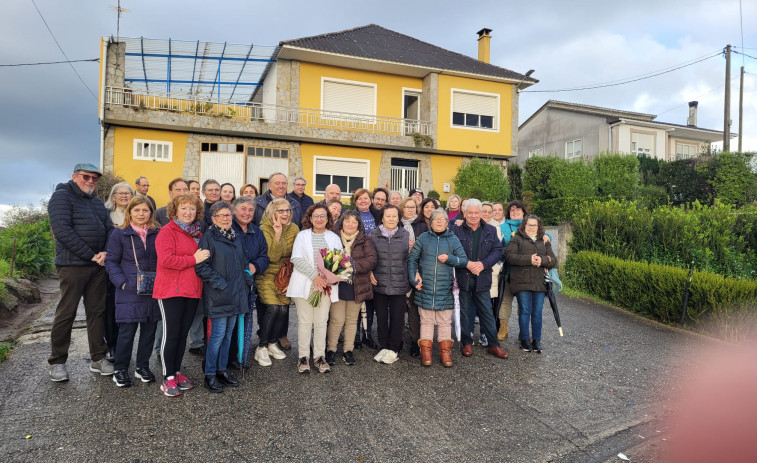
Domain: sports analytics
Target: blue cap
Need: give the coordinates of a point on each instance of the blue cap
(87, 167)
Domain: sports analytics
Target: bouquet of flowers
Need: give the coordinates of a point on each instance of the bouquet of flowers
(334, 266)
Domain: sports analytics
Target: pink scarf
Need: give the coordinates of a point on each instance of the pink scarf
(141, 232)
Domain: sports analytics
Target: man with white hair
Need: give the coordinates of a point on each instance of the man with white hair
(484, 250)
(298, 194)
(277, 188)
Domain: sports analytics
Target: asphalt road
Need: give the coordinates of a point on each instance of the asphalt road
(603, 388)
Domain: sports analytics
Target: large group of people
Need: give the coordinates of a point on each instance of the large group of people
(196, 270)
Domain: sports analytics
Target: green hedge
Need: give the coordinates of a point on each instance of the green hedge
(657, 290)
(718, 239)
(35, 251)
(554, 211)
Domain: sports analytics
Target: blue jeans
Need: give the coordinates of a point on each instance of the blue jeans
(529, 309)
(217, 353)
(472, 303)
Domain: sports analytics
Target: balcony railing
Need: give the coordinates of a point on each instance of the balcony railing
(246, 111)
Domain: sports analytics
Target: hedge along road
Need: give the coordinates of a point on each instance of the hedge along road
(590, 395)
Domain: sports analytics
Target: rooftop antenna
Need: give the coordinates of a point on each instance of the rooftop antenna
(118, 23)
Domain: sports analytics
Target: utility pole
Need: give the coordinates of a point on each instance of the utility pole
(727, 117)
(741, 108)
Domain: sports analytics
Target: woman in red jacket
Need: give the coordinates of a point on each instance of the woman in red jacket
(178, 289)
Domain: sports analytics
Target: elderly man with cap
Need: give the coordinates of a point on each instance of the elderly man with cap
(417, 195)
(81, 225)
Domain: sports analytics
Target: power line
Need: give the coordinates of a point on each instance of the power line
(743, 54)
(94, 60)
(626, 81)
(696, 97)
(63, 52)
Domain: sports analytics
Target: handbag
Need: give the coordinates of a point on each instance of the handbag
(145, 280)
(554, 278)
(281, 281)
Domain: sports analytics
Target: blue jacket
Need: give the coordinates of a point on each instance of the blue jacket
(436, 290)
(489, 253)
(130, 307)
(226, 286)
(305, 202)
(262, 201)
(254, 245)
(80, 224)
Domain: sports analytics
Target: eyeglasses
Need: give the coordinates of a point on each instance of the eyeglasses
(318, 216)
(123, 193)
(90, 178)
(379, 200)
(440, 219)
(283, 211)
(223, 216)
(532, 225)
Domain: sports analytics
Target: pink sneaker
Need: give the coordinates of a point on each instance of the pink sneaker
(184, 383)
(170, 387)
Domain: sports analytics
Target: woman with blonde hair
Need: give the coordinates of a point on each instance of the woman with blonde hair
(131, 248)
(273, 304)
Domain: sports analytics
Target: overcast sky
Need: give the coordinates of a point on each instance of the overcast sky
(48, 118)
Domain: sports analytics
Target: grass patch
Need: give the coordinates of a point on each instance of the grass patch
(5, 350)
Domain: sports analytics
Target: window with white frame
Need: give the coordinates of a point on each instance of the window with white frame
(642, 144)
(348, 96)
(349, 174)
(536, 152)
(152, 150)
(475, 110)
(686, 151)
(573, 149)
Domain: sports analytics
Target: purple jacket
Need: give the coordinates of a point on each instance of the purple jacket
(131, 308)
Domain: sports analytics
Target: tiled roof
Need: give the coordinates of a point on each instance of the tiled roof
(375, 42)
(599, 109)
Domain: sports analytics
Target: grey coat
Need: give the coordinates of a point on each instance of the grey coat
(391, 266)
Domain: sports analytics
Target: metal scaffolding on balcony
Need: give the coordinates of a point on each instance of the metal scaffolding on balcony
(195, 70)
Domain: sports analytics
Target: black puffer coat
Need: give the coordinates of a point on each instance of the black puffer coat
(391, 266)
(226, 285)
(523, 275)
(80, 223)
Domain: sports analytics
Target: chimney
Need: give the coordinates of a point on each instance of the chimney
(692, 120)
(484, 43)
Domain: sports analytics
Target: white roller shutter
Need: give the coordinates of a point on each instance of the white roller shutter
(348, 98)
(345, 168)
(470, 103)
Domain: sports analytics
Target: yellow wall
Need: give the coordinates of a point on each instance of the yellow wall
(474, 140)
(443, 169)
(157, 172)
(388, 86)
(308, 167)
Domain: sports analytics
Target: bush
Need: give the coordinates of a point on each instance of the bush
(617, 175)
(707, 236)
(105, 184)
(683, 183)
(433, 194)
(35, 251)
(575, 179)
(25, 215)
(657, 290)
(731, 178)
(554, 211)
(515, 177)
(651, 197)
(482, 180)
(537, 172)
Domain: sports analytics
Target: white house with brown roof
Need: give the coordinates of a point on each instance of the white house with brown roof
(571, 131)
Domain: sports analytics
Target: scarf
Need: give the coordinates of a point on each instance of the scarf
(227, 233)
(532, 237)
(141, 232)
(408, 225)
(192, 229)
(386, 232)
(347, 241)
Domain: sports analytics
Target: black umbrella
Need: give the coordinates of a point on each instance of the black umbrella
(553, 302)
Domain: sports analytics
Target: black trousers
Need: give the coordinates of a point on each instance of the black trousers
(177, 313)
(111, 327)
(126, 334)
(390, 320)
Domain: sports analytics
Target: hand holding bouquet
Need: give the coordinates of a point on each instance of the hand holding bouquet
(334, 266)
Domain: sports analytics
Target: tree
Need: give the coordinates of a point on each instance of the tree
(482, 180)
(514, 176)
(731, 178)
(683, 182)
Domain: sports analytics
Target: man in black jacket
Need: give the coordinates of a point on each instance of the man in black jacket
(484, 249)
(298, 194)
(81, 225)
(277, 188)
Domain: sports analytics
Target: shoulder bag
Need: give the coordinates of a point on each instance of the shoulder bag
(282, 278)
(145, 280)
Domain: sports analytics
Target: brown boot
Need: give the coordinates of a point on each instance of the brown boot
(425, 345)
(502, 333)
(445, 353)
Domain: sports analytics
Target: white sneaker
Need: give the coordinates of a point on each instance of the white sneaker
(380, 355)
(390, 357)
(261, 356)
(276, 352)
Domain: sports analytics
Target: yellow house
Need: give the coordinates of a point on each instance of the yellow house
(365, 107)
